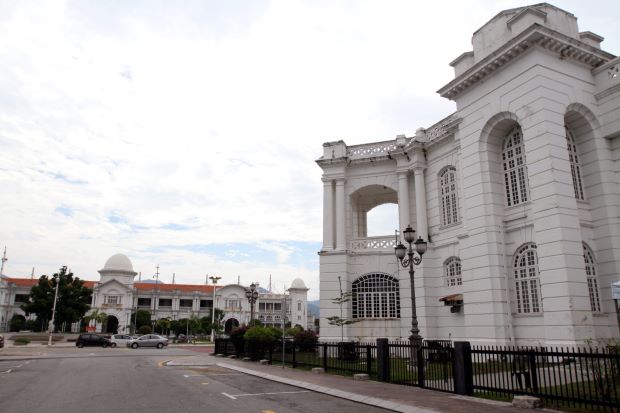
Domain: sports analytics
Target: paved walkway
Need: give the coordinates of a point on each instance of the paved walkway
(388, 396)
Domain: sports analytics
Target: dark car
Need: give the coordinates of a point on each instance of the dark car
(92, 340)
(1, 341)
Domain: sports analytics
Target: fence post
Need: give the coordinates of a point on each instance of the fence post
(533, 371)
(463, 369)
(294, 360)
(368, 360)
(419, 354)
(383, 359)
(325, 357)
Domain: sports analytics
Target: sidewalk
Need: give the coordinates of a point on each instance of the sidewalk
(388, 396)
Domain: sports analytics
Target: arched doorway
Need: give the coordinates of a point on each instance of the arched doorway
(111, 325)
(230, 324)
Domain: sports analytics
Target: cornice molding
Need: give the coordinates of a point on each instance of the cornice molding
(535, 36)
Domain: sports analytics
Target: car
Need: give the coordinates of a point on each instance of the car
(119, 339)
(148, 340)
(89, 339)
(1, 341)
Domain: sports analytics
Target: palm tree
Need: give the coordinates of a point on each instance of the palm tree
(98, 316)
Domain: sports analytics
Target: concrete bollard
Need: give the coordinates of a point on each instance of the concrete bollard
(526, 402)
(219, 355)
(360, 376)
(263, 361)
(232, 356)
(246, 359)
(318, 370)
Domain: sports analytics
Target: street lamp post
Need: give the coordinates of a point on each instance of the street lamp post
(412, 259)
(51, 327)
(252, 295)
(214, 279)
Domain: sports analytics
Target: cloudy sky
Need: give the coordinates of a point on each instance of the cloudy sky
(184, 133)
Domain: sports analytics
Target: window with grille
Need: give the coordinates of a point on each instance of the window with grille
(448, 196)
(452, 268)
(112, 299)
(515, 170)
(575, 166)
(298, 305)
(595, 300)
(376, 296)
(527, 280)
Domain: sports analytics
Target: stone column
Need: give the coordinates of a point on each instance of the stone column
(420, 204)
(340, 216)
(328, 215)
(404, 213)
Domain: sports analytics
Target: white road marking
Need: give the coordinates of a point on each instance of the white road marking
(4, 372)
(234, 396)
(192, 375)
(224, 374)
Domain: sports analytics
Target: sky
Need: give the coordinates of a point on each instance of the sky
(183, 134)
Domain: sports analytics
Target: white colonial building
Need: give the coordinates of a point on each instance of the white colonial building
(517, 194)
(118, 295)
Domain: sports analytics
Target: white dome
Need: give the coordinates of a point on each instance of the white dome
(298, 283)
(118, 262)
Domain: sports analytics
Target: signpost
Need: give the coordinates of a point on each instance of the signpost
(615, 294)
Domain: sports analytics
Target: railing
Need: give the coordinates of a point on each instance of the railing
(582, 379)
(573, 378)
(342, 358)
(371, 150)
(374, 243)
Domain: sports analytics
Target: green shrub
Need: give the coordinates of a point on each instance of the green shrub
(21, 341)
(258, 340)
(291, 332)
(306, 340)
(144, 330)
(236, 336)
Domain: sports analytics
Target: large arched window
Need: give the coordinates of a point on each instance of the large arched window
(448, 196)
(595, 300)
(515, 170)
(452, 268)
(527, 280)
(376, 295)
(575, 166)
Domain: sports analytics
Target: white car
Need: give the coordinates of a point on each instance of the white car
(119, 340)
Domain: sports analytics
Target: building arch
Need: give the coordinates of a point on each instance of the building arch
(448, 196)
(592, 278)
(452, 271)
(375, 295)
(528, 299)
(363, 200)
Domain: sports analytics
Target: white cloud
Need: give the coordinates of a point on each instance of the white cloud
(208, 115)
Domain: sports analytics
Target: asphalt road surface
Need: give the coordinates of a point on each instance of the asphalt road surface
(89, 380)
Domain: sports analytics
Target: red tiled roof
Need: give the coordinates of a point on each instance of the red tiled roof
(185, 288)
(29, 282)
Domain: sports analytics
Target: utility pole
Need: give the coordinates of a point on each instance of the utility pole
(4, 259)
(215, 279)
(51, 327)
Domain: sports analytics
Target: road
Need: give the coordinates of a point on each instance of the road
(88, 380)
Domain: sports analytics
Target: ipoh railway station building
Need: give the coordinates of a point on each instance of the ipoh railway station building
(517, 194)
(118, 295)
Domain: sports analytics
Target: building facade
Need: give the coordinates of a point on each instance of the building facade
(118, 295)
(517, 194)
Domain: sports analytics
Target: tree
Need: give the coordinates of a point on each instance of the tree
(163, 325)
(341, 321)
(143, 318)
(73, 298)
(99, 317)
(18, 323)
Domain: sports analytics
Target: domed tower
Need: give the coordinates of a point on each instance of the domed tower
(118, 267)
(114, 295)
(299, 303)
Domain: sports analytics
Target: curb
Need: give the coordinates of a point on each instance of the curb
(372, 401)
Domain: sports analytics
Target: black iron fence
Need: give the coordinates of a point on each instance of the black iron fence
(574, 378)
(587, 379)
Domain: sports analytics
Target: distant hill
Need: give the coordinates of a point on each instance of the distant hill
(313, 308)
